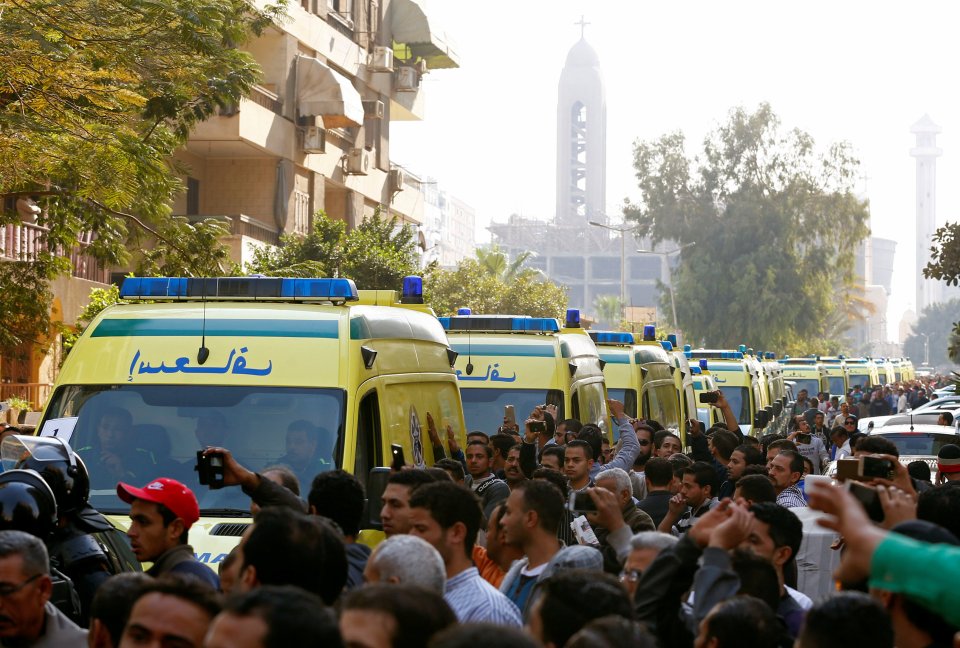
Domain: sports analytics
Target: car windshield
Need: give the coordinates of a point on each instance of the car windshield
(739, 399)
(859, 379)
(135, 433)
(810, 384)
(920, 443)
(483, 409)
(660, 405)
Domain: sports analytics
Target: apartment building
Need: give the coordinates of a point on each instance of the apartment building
(313, 135)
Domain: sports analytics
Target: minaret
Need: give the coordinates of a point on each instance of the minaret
(926, 153)
(581, 138)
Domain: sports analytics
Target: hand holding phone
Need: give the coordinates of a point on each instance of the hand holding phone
(868, 498)
(581, 502)
(709, 397)
(509, 416)
(209, 469)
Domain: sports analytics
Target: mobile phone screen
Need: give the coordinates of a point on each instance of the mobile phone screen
(397, 451)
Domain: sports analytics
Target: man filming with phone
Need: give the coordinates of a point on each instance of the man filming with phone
(808, 444)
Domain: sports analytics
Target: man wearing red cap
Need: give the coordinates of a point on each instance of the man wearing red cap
(948, 464)
(161, 514)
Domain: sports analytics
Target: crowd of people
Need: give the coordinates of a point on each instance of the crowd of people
(541, 533)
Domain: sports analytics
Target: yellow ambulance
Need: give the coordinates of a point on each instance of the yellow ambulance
(250, 363)
(838, 375)
(805, 373)
(863, 372)
(524, 362)
(739, 381)
(703, 383)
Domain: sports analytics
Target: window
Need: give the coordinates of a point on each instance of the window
(369, 453)
(626, 396)
(193, 196)
(739, 399)
(301, 212)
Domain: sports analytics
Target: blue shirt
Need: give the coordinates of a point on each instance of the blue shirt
(473, 599)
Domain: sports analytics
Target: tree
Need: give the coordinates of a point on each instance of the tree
(377, 254)
(497, 264)
(470, 285)
(609, 310)
(944, 265)
(95, 97)
(938, 323)
(775, 223)
(100, 298)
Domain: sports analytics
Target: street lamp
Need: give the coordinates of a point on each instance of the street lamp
(665, 255)
(926, 348)
(623, 260)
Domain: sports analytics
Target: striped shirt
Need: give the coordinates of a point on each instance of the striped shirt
(473, 599)
(791, 497)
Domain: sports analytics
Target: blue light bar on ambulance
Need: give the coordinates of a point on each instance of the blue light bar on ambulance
(610, 337)
(649, 333)
(742, 348)
(500, 323)
(412, 292)
(667, 345)
(238, 288)
(573, 318)
(464, 311)
(703, 364)
(695, 371)
(770, 355)
(672, 339)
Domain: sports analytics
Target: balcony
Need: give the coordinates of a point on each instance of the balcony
(24, 241)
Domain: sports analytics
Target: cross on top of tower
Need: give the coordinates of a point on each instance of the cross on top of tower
(583, 23)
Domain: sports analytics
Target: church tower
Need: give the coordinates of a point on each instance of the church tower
(581, 138)
(926, 154)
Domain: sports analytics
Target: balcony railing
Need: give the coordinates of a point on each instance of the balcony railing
(25, 241)
(36, 393)
(267, 99)
(243, 225)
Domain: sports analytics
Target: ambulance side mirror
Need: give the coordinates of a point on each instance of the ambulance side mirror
(376, 484)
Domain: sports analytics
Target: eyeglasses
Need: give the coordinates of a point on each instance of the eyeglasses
(849, 422)
(7, 590)
(630, 575)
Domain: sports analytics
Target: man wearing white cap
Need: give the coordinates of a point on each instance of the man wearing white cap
(161, 514)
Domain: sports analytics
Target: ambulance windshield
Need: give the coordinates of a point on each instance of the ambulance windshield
(135, 433)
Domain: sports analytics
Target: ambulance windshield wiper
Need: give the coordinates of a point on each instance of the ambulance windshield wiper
(224, 512)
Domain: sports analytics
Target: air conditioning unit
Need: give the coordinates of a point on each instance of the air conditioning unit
(407, 79)
(422, 67)
(397, 177)
(314, 140)
(358, 162)
(373, 109)
(381, 59)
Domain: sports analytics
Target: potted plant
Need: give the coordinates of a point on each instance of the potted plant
(17, 405)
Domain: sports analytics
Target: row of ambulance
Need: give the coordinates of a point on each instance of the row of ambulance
(240, 361)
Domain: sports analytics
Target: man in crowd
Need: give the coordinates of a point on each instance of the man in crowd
(274, 617)
(284, 547)
(802, 403)
(739, 622)
(448, 517)
(392, 616)
(755, 488)
(485, 484)
(742, 456)
(577, 464)
(809, 443)
(658, 474)
(785, 471)
(495, 559)
(553, 457)
(512, 473)
(338, 496)
(637, 476)
(111, 608)
(500, 443)
(696, 497)
(571, 599)
(27, 617)
(644, 548)
(533, 513)
(407, 560)
(395, 512)
(308, 451)
(948, 464)
(161, 514)
(171, 611)
(840, 438)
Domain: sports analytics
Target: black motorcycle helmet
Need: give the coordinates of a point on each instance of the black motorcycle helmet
(56, 462)
(27, 504)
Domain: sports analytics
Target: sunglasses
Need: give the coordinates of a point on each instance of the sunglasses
(643, 442)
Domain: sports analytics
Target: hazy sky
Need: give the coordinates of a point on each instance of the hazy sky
(857, 71)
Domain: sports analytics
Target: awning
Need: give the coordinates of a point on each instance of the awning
(411, 27)
(322, 92)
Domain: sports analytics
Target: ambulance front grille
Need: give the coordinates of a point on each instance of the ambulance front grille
(233, 529)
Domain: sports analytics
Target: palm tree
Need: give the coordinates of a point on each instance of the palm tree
(497, 264)
(609, 309)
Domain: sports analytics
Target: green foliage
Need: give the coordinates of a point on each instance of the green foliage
(497, 264)
(775, 225)
(198, 252)
(18, 403)
(470, 285)
(100, 298)
(377, 254)
(938, 322)
(945, 265)
(609, 310)
(25, 303)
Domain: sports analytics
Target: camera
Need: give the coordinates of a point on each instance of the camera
(581, 502)
(709, 397)
(805, 439)
(871, 467)
(538, 426)
(210, 469)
